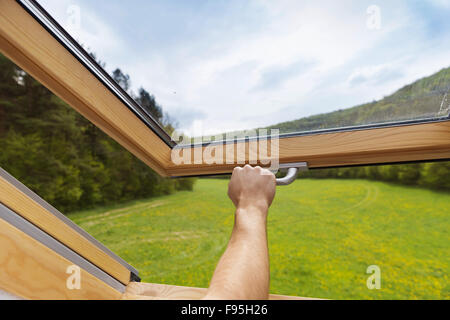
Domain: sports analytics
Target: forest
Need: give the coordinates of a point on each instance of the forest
(63, 157)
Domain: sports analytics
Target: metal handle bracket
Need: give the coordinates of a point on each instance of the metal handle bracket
(292, 172)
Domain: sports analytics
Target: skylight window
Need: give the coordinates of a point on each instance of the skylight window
(218, 67)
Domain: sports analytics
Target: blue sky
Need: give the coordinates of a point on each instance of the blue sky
(231, 65)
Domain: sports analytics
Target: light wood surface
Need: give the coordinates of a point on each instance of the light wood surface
(154, 291)
(30, 270)
(26, 207)
(428, 141)
(31, 47)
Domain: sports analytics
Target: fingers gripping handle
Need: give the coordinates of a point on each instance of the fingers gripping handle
(292, 172)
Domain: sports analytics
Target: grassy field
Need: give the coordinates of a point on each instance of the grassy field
(323, 234)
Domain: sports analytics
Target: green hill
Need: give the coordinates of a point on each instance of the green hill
(421, 99)
(425, 98)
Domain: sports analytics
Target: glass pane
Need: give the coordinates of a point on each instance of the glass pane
(225, 66)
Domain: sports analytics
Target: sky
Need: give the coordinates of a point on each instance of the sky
(225, 65)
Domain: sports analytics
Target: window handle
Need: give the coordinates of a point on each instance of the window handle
(292, 172)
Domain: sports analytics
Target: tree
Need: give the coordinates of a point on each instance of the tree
(147, 101)
(436, 175)
(122, 79)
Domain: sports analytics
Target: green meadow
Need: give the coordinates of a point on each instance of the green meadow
(323, 234)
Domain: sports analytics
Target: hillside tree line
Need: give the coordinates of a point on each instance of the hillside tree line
(432, 175)
(424, 98)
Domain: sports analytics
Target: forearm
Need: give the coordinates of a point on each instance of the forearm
(243, 270)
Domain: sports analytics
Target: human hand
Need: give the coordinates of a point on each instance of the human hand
(252, 187)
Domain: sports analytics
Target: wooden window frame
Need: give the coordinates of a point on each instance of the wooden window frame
(25, 203)
(27, 43)
(34, 265)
